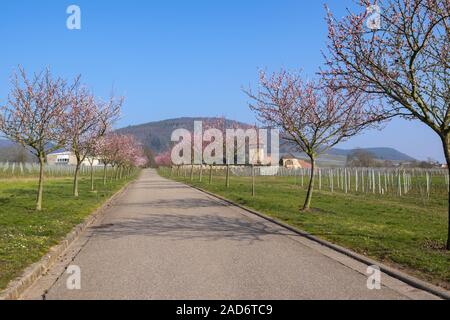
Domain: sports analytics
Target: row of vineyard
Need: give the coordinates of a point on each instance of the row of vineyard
(30, 170)
(381, 181)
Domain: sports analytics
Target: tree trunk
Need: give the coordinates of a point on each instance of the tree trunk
(105, 167)
(75, 180)
(41, 184)
(92, 177)
(228, 176)
(307, 204)
(210, 174)
(253, 181)
(446, 144)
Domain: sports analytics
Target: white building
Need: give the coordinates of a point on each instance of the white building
(68, 158)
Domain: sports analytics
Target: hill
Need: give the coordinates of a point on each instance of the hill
(156, 135)
(379, 153)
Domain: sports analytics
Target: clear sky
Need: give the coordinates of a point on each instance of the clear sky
(181, 58)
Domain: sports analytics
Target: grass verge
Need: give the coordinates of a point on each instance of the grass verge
(402, 232)
(27, 235)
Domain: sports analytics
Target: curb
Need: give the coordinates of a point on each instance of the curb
(31, 274)
(410, 280)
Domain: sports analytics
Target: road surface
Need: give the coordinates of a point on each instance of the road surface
(164, 240)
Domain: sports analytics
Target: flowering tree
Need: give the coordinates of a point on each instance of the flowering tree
(94, 152)
(121, 152)
(35, 114)
(127, 151)
(79, 124)
(140, 159)
(131, 155)
(106, 149)
(313, 116)
(224, 142)
(164, 159)
(107, 115)
(406, 61)
(86, 122)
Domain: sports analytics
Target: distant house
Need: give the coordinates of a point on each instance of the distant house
(67, 158)
(291, 162)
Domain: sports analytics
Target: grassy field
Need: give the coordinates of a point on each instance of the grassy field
(26, 235)
(407, 232)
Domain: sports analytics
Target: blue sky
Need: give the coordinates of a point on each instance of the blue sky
(182, 58)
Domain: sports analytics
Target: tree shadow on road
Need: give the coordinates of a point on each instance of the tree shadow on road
(184, 203)
(184, 227)
(157, 185)
(195, 225)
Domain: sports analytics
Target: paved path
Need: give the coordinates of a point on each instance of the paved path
(164, 240)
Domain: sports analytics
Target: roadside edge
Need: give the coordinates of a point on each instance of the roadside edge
(18, 286)
(396, 274)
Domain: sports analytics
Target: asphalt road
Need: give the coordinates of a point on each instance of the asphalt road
(164, 240)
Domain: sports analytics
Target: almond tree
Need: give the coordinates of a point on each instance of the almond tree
(126, 149)
(79, 125)
(199, 145)
(91, 159)
(34, 116)
(164, 159)
(207, 134)
(232, 146)
(106, 150)
(312, 116)
(87, 121)
(119, 151)
(92, 144)
(140, 160)
(128, 153)
(135, 155)
(405, 62)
